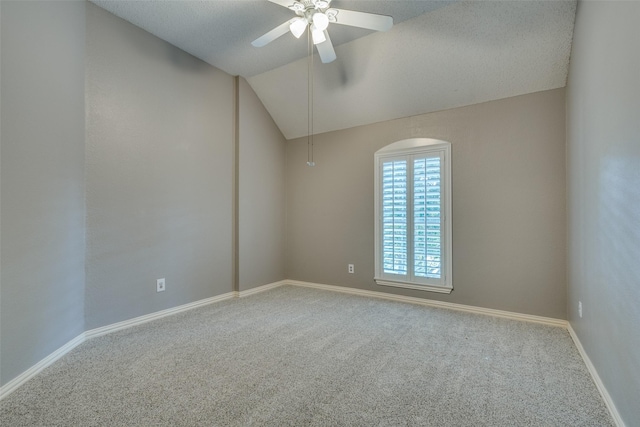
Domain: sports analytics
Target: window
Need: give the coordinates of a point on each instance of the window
(412, 213)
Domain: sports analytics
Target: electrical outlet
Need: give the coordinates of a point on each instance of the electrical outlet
(160, 285)
(580, 309)
(351, 268)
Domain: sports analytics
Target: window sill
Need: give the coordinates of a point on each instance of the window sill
(428, 288)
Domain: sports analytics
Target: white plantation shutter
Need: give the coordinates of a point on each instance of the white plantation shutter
(427, 219)
(412, 234)
(394, 217)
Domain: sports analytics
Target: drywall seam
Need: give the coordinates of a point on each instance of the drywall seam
(235, 191)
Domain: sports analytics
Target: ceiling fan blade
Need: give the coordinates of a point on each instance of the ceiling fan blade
(278, 31)
(325, 50)
(370, 21)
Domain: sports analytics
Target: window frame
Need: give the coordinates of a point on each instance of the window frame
(408, 149)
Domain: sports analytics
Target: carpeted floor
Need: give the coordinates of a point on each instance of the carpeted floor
(296, 356)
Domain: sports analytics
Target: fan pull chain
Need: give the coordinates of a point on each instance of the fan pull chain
(310, 161)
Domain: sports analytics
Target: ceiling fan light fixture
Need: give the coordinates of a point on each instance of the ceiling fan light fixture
(316, 14)
(321, 21)
(318, 35)
(298, 26)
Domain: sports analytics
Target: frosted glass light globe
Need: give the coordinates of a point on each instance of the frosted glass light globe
(298, 26)
(320, 20)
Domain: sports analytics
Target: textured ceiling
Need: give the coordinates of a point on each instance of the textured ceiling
(220, 32)
(462, 54)
(438, 55)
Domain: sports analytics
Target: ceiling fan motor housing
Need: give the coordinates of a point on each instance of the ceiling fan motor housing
(315, 15)
(307, 8)
(312, 13)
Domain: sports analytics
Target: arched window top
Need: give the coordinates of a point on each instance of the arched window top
(410, 144)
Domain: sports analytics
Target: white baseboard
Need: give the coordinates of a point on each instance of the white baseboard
(486, 311)
(47, 361)
(13, 385)
(432, 303)
(92, 333)
(596, 379)
(262, 288)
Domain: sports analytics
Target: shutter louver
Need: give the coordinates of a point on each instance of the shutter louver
(427, 229)
(394, 217)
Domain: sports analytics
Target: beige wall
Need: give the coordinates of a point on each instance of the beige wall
(42, 175)
(261, 216)
(159, 163)
(508, 166)
(603, 139)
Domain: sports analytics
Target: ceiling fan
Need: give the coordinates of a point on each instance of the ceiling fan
(317, 15)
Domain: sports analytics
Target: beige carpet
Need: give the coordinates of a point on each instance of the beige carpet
(303, 357)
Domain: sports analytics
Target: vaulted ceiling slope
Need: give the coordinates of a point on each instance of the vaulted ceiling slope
(438, 55)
